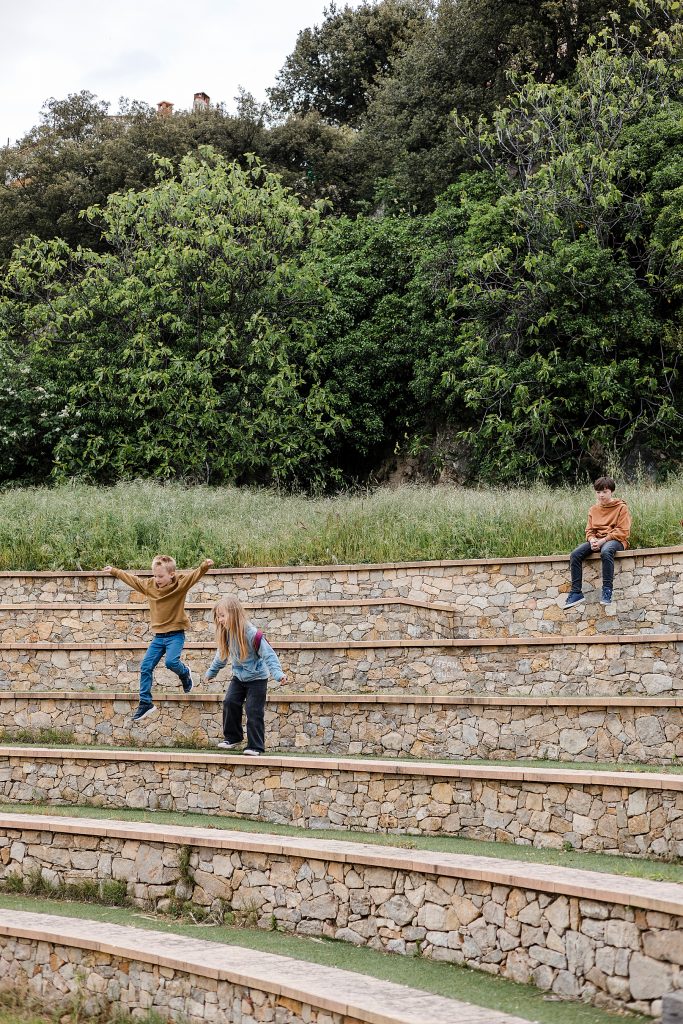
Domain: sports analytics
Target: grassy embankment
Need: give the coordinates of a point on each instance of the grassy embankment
(615, 864)
(443, 979)
(79, 527)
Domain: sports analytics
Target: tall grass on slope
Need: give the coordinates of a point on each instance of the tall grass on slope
(81, 527)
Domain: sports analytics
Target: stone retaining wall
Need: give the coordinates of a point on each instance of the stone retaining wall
(326, 620)
(647, 666)
(601, 951)
(85, 968)
(515, 596)
(631, 813)
(636, 733)
(49, 973)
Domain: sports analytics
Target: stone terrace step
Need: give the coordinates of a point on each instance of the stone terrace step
(361, 619)
(520, 596)
(621, 812)
(623, 730)
(97, 621)
(640, 664)
(580, 934)
(138, 969)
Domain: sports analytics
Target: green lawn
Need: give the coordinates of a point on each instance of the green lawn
(519, 762)
(442, 979)
(634, 867)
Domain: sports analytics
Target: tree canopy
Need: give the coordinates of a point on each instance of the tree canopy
(334, 67)
(186, 349)
(474, 261)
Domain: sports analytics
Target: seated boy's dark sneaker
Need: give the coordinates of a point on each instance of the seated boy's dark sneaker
(572, 599)
(188, 683)
(606, 596)
(143, 711)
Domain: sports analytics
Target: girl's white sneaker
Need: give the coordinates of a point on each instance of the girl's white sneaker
(252, 753)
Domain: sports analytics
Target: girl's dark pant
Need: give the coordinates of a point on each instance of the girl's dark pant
(253, 693)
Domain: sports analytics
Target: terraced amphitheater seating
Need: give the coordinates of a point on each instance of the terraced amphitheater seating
(136, 970)
(576, 932)
(645, 730)
(620, 812)
(453, 661)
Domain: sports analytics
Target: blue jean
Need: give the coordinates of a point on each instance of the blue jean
(607, 552)
(170, 644)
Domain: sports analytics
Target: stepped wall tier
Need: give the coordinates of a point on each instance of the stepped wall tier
(611, 730)
(639, 813)
(648, 666)
(575, 933)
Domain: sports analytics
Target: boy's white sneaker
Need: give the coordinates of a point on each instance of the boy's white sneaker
(253, 753)
(224, 745)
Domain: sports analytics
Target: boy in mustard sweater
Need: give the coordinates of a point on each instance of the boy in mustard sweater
(166, 593)
(607, 531)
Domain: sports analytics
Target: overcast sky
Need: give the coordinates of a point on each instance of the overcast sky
(147, 50)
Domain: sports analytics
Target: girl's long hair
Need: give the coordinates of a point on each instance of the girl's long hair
(231, 637)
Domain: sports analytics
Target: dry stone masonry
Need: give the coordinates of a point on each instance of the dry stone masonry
(62, 962)
(628, 813)
(97, 622)
(647, 666)
(609, 940)
(620, 730)
(494, 598)
(447, 661)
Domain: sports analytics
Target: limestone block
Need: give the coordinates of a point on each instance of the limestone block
(664, 945)
(648, 978)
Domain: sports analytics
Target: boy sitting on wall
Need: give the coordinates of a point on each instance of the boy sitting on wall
(607, 531)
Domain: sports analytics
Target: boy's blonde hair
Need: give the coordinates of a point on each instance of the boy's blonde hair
(166, 561)
(233, 634)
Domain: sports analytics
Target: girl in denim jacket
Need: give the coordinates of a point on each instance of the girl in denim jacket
(253, 660)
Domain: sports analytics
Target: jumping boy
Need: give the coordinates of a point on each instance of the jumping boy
(166, 593)
(607, 531)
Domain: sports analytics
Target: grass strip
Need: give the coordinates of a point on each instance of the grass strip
(631, 867)
(442, 979)
(16, 1017)
(519, 762)
(83, 527)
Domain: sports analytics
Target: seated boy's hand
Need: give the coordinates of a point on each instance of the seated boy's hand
(209, 562)
(108, 568)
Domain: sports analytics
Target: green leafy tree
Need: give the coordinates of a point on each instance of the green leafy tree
(78, 155)
(50, 175)
(372, 334)
(560, 351)
(460, 61)
(187, 348)
(319, 161)
(334, 66)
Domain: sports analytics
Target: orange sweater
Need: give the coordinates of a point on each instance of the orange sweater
(612, 521)
(166, 605)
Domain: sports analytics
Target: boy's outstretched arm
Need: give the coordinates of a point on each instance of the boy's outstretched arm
(131, 581)
(187, 580)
